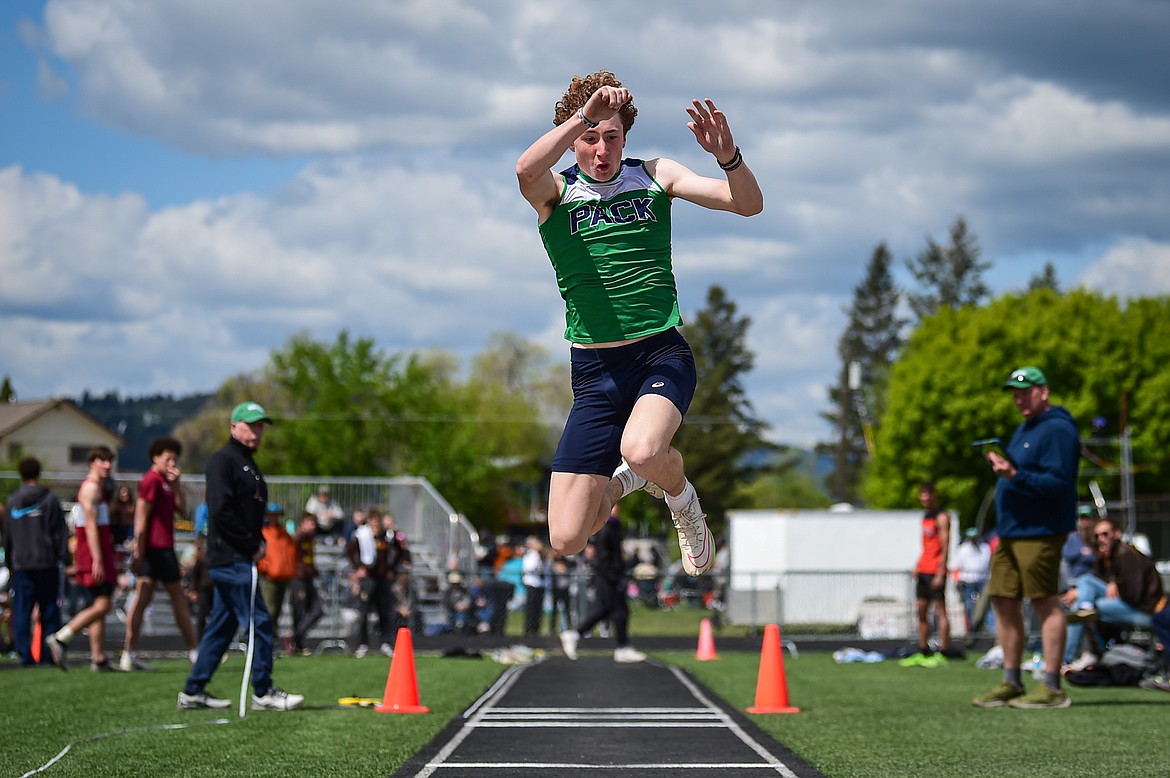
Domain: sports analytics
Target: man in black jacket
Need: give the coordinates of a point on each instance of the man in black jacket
(609, 578)
(36, 542)
(237, 499)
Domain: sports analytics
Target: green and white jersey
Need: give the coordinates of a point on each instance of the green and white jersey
(609, 243)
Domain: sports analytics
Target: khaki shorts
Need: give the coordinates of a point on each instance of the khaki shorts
(1026, 567)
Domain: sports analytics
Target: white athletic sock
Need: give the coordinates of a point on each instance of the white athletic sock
(64, 635)
(630, 481)
(683, 499)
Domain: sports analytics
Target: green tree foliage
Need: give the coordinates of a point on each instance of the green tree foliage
(346, 409)
(7, 393)
(871, 341)
(720, 429)
(949, 276)
(945, 390)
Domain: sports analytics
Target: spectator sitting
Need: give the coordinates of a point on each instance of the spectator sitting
(328, 514)
(1123, 589)
(1076, 559)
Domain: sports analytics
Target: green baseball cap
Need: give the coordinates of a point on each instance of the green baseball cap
(250, 412)
(1023, 377)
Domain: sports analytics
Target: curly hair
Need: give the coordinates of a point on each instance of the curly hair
(579, 92)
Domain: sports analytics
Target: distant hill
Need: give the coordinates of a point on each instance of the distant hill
(138, 420)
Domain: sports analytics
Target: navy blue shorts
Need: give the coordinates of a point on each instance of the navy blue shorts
(606, 384)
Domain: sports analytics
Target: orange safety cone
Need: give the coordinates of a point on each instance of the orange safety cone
(401, 685)
(706, 652)
(37, 641)
(771, 687)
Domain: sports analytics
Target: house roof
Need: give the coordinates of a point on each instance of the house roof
(13, 416)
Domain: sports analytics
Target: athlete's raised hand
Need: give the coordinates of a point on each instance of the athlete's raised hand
(711, 131)
(606, 102)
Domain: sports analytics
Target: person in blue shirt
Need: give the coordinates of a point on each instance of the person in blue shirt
(1036, 502)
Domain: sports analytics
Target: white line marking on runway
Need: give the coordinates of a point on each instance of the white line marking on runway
(483, 714)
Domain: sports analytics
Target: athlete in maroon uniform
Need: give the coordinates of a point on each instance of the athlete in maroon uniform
(95, 560)
(154, 558)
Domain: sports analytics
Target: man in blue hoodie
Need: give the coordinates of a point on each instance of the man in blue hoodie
(1036, 501)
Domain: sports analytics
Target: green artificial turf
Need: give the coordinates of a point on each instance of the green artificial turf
(856, 720)
(879, 720)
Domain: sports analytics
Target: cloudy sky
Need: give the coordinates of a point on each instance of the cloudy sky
(184, 185)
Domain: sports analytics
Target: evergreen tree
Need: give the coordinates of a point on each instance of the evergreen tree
(950, 276)
(7, 393)
(1046, 280)
(867, 349)
(720, 430)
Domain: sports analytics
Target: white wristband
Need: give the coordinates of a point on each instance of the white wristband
(588, 124)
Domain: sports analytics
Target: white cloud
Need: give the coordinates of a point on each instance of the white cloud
(1134, 267)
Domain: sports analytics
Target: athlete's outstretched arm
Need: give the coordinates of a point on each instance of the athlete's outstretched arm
(738, 192)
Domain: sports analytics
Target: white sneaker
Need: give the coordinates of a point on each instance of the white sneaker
(56, 651)
(1086, 611)
(200, 700)
(361, 652)
(1082, 662)
(277, 699)
(632, 482)
(694, 539)
(628, 655)
(569, 640)
(130, 662)
(385, 650)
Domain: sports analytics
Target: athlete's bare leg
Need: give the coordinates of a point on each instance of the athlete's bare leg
(579, 504)
(182, 613)
(143, 594)
(646, 443)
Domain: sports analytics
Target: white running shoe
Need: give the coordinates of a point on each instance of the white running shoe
(632, 482)
(694, 539)
(628, 655)
(201, 700)
(361, 652)
(56, 651)
(130, 662)
(385, 650)
(277, 699)
(569, 640)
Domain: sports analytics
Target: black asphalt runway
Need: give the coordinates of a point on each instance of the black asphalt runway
(597, 718)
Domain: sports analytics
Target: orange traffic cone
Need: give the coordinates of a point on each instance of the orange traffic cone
(37, 641)
(706, 652)
(401, 685)
(771, 688)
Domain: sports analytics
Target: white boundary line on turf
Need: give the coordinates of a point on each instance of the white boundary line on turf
(160, 727)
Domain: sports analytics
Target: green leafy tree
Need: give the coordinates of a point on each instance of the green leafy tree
(720, 429)
(7, 393)
(945, 389)
(949, 276)
(346, 409)
(867, 349)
